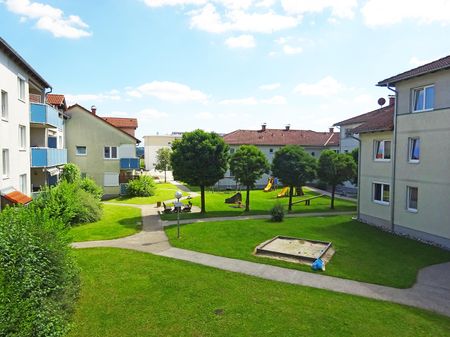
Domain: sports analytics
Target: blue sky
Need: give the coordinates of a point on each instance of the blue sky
(224, 65)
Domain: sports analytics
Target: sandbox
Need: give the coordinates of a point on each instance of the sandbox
(296, 250)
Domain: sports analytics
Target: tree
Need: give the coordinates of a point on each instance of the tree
(199, 158)
(71, 173)
(247, 165)
(163, 161)
(335, 168)
(294, 167)
(355, 156)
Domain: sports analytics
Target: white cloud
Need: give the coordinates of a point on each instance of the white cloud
(325, 87)
(210, 20)
(275, 100)
(49, 18)
(242, 41)
(91, 98)
(416, 62)
(204, 115)
(343, 9)
(387, 12)
(269, 87)
(240, 101)
(290, 50)
(152, 113)
(161, 3)
(168, 91)
(265, 3)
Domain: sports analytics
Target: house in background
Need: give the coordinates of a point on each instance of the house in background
(155, 142)
(129, 125)
(19, 83)
(103, 151)
(47, 134)
(270, 140)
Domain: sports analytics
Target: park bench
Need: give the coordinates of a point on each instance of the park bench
(167, 209)
(308, 200)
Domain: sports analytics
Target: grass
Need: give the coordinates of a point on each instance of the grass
(363, 253)
(170, 298)
(260, 203)
(116, 222)
(164, 191)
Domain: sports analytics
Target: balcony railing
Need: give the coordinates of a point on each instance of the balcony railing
(46, 157)
(46, 115)
(129, 163)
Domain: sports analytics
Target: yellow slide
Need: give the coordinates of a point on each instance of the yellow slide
(284, 192)
(268, 186)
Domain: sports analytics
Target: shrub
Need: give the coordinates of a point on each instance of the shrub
(38, 277)
(144, 186)
(89, 209)
(91, 187)
(71, 173)
(277, 212)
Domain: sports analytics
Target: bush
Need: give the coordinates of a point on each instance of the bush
(144, 186)
(38, 277)
(91, 187)
(71, 173)
(89, 208)
(277, 213)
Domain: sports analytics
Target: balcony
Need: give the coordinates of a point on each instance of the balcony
(46, 157)
(45, 115)
(129, 164)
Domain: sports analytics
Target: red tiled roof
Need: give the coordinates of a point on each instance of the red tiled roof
(55, 99)
(443, 63)
(282, 137)
(122, 122)
(377, 120)
(17, 197)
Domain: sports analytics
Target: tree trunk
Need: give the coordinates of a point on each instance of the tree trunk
(300, 192)
(247, 200)
(165, 176)
(333, 190)
(291, 191)
(202, 198)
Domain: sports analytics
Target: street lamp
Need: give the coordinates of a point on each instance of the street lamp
(178, 195)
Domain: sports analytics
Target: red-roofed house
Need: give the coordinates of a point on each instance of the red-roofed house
(129, 125)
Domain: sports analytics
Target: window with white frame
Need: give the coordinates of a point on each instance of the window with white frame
(4, 105)
(412, 198)
(81, 150)
(414, 150)
(23, 183)
(110, 152)
(21, 87)
(5, 163)
(111, 179)
(423, 98)
(22, 137)
(382, 150)
(381, 193)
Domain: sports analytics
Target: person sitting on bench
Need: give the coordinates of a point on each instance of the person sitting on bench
(187, 208)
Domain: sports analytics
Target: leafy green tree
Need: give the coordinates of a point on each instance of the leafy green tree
(335, 168)
(71, 173)
(294, 167)
(200, 159)
(355, 156)
(247, 165)
(163, 161)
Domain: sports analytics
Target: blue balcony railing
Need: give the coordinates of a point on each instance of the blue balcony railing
(129, 163)
(46, 115)
(46, 157)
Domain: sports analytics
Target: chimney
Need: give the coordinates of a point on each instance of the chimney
(287, 127)
(331, 130)
(93, 109)
(391, 99)
(263, 127)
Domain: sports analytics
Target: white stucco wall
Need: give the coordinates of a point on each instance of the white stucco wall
(151, 146)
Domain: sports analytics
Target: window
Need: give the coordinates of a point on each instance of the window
(81, 151)
(110, 152)
(271, 150)
(412, 198)
(423, 98)
(23, 183)
(4, 103)
(21, 88)
(313, 154)
(381, 193)
(414, 150)
(110, 179)
(231, 151)
(382, 150)
(22, 137)
(5, 161)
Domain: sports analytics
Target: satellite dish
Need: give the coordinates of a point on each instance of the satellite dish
(381, 101)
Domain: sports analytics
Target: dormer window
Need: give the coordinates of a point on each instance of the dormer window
(423, 98)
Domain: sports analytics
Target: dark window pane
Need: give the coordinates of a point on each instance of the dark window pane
(377, 192)
(415, 149)
(413, 197)
(387, 150)
(107, 152)
(418, 99)
(114, 152)
(386, 193)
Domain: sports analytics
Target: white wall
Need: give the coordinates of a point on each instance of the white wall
(18, 114)
(151, 146)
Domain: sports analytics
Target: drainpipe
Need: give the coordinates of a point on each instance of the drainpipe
(394, 156)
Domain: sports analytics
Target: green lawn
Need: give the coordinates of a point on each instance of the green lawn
(170, 298)
(260, 203)
(363, 253)
(117, 222)
(164, 191)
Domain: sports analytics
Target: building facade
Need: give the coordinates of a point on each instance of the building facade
(155, 142)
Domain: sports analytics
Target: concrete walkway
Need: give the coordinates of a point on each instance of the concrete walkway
(431, 292)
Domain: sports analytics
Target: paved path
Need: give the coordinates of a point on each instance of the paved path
(431, 292)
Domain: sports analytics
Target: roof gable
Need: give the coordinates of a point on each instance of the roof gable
(122, 122)
(381, 119)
